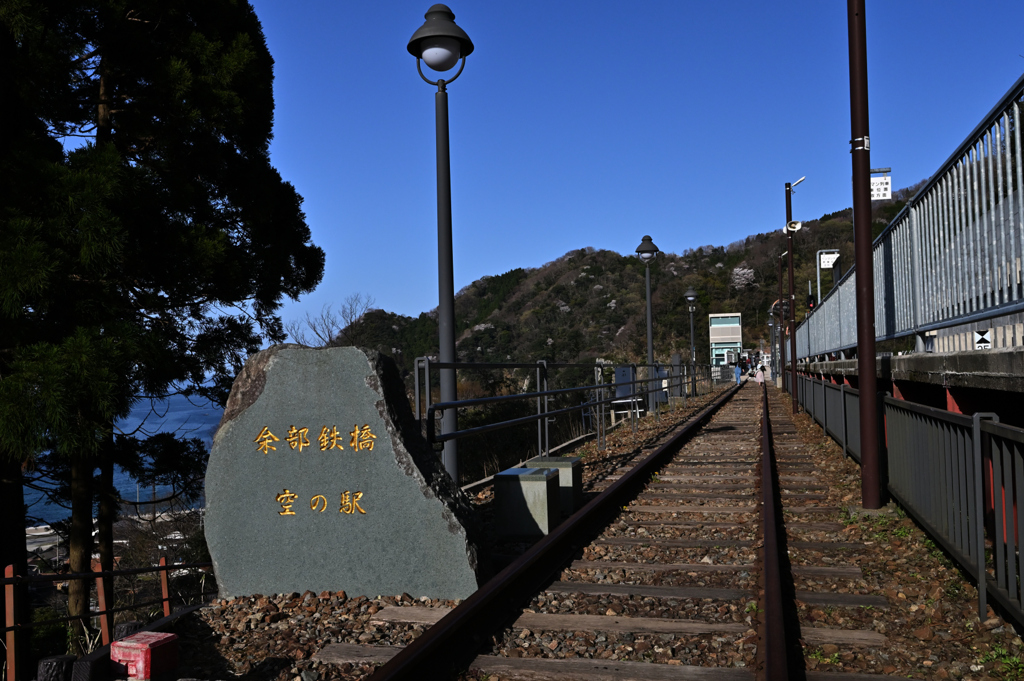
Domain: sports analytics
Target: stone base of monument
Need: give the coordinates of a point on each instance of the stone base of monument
(570, 479)
(526, 502)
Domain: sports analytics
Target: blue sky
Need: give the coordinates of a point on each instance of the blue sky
(593, 123)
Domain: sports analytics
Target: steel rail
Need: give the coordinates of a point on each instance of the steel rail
(448, 646)
(773, 633)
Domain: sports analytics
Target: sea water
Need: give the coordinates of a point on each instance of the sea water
(188, 417)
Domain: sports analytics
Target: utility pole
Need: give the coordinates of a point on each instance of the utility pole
(860, 150)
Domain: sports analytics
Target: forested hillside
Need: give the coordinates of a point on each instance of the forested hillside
(590, 303)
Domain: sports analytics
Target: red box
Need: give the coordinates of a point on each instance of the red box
(144, 656)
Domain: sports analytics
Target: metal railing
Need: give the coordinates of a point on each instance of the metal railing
(952, 255)
(960, 477)
(679, 382)
(15, 587)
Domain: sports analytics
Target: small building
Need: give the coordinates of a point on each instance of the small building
(726, 333)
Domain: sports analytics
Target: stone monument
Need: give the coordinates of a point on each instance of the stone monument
(319, 479)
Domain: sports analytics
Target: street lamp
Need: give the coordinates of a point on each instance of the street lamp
(790, 228)
(647, 251)
(771, 345)
(691, 299)
(440, 43)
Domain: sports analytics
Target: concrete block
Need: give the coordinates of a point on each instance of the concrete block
(570, 479)
(526, 502)
(145, 656)
(56, 668)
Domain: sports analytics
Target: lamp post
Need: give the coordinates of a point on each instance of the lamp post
(647, 251)
(441, 43)
(771, 346)
(790, 228)
(691, 299)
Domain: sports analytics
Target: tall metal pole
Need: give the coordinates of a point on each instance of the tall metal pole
(792, 301)
(860, 150)
(693, 356)
(445, 280)
(650, 346)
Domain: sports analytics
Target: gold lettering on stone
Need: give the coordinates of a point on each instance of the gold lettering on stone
(286, 499)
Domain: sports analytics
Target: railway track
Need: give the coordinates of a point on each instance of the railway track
(677, 570)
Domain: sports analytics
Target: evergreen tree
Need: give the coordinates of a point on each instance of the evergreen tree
(152, 259)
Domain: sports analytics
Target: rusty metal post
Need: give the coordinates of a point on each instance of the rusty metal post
(101, 603)
(860, 150)
(165, 592)
(11, 637)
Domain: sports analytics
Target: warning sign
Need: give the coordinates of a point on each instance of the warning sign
(881, 188)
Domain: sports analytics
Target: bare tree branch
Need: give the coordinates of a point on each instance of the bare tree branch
(330, 328)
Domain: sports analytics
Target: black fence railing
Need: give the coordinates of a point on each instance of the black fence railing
(650, 386)
(16, 590)
(960, 477)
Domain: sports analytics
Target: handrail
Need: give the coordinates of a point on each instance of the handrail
(57, 577)
(951, 255)
(432, 409)
(426, 364)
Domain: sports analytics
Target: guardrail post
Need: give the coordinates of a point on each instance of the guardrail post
(11, 637)
(426, 379)
(540, 437)
(842, 412)
(657, 391)
(979, 510)
(101, 603)
(165, 592)
(824, 408)
(547, 419)
(416, 386)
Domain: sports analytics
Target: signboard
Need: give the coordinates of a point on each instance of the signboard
(827, 260)
(982, 341)
(881, 188)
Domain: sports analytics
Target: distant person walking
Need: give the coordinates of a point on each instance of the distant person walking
(759, 376)
(739, 374)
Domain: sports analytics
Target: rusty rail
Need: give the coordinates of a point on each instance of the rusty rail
(14, 630)
(773, 632)
(451, 644)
